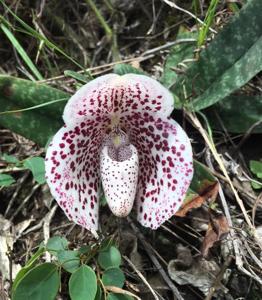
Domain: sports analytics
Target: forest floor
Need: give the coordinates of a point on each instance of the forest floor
(172, 261)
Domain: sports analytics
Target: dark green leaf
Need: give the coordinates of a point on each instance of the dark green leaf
(57, 243)
(99, 293)
(109, 258)
(38, 124)
(230, 61)
(122, 69)
(40, 283)
(237, 113)
(83, 284)
(6, 180)
(29, 266)
(69, 260)
(37, 167)
(114, 277)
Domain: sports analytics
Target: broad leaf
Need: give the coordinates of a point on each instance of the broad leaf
(230, 61)
(37, 124)
(82, 284)
(237, 113)
(41, 283)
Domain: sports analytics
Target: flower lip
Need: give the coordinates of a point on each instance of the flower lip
(113, 124)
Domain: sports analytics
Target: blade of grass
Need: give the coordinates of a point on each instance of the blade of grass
(207, 22)
(32, 107)
(30, 31)
(21, 52)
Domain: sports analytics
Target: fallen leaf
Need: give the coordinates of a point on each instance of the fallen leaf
(217, 230)
(209, 191)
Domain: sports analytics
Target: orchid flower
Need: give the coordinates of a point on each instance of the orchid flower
(118, 132)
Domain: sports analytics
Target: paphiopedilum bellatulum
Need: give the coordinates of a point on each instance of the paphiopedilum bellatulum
(118, 135)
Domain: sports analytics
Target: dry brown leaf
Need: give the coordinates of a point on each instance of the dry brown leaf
(209, 191)
(217, 230)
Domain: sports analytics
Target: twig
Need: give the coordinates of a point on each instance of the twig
(25, 201)
(110, 66)
(218, 279)
(46, 228)
(188, 13)
(210, 144)
(168, 45)
(155, 261)
(141, 277)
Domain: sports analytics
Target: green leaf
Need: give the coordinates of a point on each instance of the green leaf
(10, 159)
(234, 117)
(177, 54)
(80, 77)
(57, 243)
(109, 258)
(99, 293)
(21, 52)
(83, 284)
(6, 180)
(256, 167)
(255, 185)
(114, 277)
(37, 167)
(122, 69)
(40, 283)
(29, 266)
(230, 61)
(114, 296)
(39, 124)
(69, 260)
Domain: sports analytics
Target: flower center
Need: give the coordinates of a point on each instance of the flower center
(118, 145)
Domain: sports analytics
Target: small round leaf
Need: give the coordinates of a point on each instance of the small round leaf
(114, 277)
(69, 259)
(109, 258)
(40, 283)
(83, 284)
(57, 243)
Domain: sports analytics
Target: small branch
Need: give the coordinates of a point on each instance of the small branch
(141, 277)
(155, 261)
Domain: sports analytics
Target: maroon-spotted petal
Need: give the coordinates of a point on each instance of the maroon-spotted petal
(72, 171)
(116, 96)
(165, 163)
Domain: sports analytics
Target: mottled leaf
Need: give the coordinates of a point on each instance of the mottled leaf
(38, 124)
(230, 61)
(237, 113)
